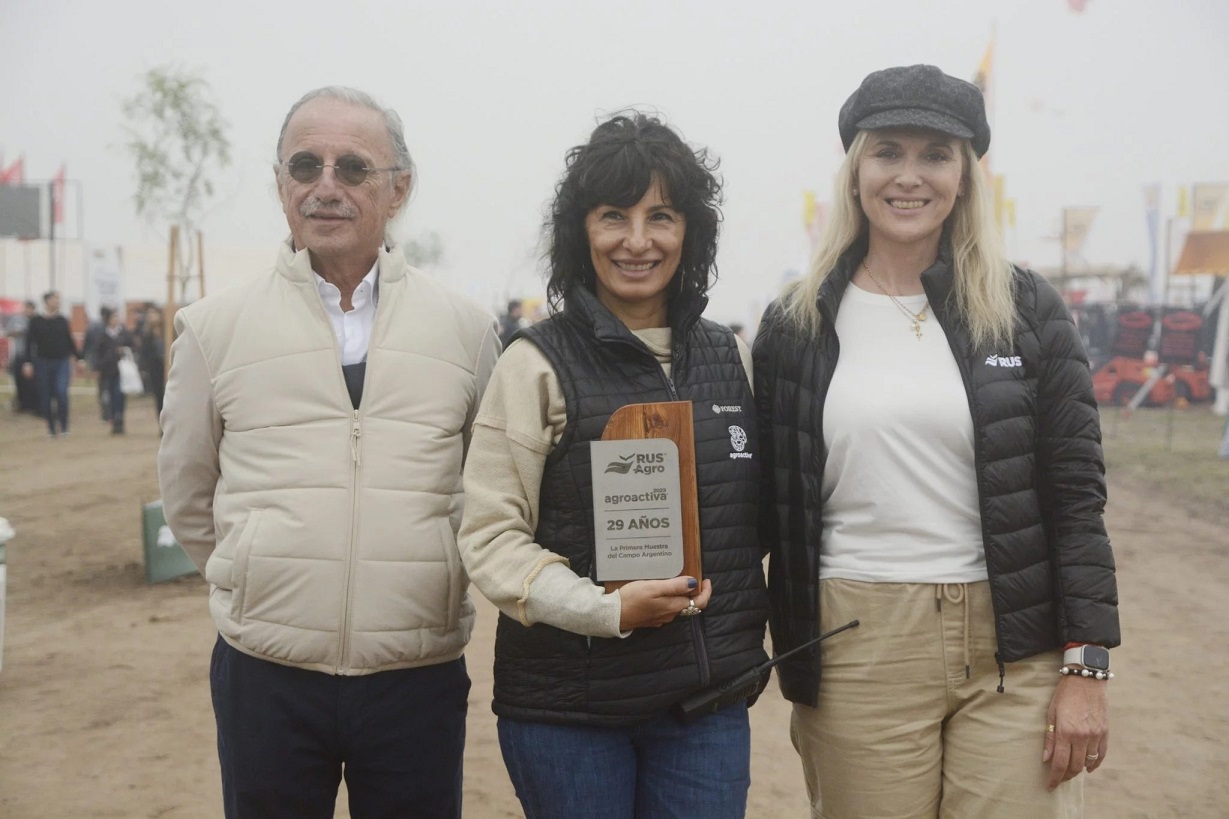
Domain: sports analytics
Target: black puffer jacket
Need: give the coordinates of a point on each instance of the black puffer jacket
(1040, 473)
(546, 674)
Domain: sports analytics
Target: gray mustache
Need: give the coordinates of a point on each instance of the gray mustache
(314, 207)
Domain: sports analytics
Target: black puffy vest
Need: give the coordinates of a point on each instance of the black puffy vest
(546, 674)
(1040, 472)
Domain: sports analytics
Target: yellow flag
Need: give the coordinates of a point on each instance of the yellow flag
(1183, 208)
(1208, 205)
(808, 208)
(1076, 224)
(1009, 208)
(1000, 187)
(983, 79)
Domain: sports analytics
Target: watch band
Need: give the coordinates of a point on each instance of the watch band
(1088, 656)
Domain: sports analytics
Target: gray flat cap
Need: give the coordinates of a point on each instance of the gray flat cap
(919, 96)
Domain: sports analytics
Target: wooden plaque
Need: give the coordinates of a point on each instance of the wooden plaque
(672, 420)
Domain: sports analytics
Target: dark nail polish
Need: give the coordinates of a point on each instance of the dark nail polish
(691, 583)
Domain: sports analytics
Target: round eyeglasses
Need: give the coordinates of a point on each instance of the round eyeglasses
(352, 170)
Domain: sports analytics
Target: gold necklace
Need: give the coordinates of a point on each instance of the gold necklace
(915, 319)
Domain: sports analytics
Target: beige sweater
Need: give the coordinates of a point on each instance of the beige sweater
(522, 417)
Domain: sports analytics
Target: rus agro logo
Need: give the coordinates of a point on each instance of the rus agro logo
(1004, 361)
(642, 464)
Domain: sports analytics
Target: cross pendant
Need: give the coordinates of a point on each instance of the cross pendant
(917, 329)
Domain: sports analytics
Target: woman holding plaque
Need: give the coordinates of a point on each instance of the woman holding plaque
(586, 681)
(934, 461)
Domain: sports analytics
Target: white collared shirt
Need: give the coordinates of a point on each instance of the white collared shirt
(353, 328)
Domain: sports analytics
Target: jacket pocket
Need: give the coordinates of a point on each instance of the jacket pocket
(239, 568)
(456, 572)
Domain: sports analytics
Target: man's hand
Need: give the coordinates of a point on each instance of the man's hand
(27, 370)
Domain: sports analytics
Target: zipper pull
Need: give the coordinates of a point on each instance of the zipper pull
(355, 432)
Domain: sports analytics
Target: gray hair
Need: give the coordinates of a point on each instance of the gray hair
(392, 123)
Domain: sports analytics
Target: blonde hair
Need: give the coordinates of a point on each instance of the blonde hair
(983, 275)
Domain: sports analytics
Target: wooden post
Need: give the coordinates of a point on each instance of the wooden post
(168, 315)
(200, 258)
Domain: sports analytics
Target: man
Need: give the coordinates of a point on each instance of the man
(315, 424)
(511, 321)
(49, 344)
(25, 391)
(89, 351)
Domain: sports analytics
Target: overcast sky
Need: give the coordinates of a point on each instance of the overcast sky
(1088, 108)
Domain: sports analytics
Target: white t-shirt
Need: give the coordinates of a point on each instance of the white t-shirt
(900, 490)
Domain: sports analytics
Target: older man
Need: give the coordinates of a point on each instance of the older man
(315, 423)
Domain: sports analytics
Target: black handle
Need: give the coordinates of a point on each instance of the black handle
(746, 684)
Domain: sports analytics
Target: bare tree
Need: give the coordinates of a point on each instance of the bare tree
(176, 136)
(425, 252)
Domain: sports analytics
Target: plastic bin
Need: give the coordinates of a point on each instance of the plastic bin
(6, 534)
(165, 559)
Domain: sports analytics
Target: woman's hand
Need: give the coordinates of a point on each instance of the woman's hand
(657, 602)
(1079, 713)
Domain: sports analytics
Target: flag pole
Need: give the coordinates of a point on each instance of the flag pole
(51, 239)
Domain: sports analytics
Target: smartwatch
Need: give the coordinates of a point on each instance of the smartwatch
(1094, 658)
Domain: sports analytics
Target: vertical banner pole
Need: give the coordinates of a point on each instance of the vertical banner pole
(168, 317)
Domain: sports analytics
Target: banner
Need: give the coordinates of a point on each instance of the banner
(1179, 337)
(14, 174)
(1152, 218)
(1076, 224)
(984, 80)
(21, 211)
(57, 197)
(1133, 334)
(106, 282)
(1209, 206)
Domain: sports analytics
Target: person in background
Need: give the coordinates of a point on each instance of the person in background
(511, 321)
(50, 345)
(934, 465)
(584, 680)
(152, 356)
(89, 353)
(316, 421)
(25, 390)
(116, 342)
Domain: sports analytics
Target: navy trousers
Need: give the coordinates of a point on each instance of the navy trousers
(286, 736)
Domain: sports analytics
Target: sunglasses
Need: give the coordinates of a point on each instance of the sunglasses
(306, 167)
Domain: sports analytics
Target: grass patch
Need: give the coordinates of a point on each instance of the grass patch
(1172, 454)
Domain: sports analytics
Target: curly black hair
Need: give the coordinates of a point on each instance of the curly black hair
(616, 167)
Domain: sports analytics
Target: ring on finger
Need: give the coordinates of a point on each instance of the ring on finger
(691, 610)
(1092, 757)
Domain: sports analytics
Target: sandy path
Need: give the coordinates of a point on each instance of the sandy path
(104, 698)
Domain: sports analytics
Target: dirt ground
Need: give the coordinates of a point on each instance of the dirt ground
(104, 697)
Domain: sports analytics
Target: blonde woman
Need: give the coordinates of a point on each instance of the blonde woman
(934, 469)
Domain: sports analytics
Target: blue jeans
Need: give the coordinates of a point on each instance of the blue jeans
(115, 403)
(52, 377)
(660, 769)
